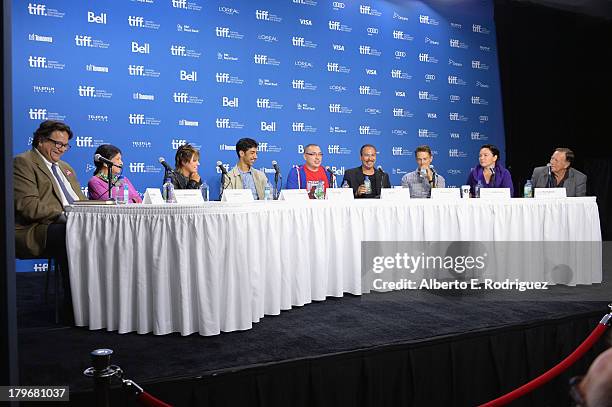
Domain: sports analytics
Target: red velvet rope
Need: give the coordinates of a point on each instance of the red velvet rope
(552, 373)
(146, 399)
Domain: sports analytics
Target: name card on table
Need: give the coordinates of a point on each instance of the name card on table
(395, 194)
(294, 195)
(446, 193)
(550, 193)
(237, 195)
(153, 196)
(339, 194)
(495, 193)
(188, 196)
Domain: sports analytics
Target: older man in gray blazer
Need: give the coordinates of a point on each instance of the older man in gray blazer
(560, 174)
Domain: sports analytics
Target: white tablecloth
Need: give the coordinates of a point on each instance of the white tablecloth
(222, 267)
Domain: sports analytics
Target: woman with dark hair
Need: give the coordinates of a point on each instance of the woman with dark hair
(187, 161)
(97, 187)
(490, 173)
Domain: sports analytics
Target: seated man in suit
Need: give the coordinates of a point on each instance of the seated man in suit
(43, 185)
(356, 177)
(560, 174)
(243, 175)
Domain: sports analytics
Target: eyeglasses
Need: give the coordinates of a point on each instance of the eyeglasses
(574, 392)
(315, 154)
(59, 144)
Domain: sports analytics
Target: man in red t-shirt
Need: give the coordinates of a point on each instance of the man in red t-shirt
(310, 174)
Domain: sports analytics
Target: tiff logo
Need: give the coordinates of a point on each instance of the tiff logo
(136, 118)
(262, 14)
(222, 123)
(364, 90)
(398, 112)
(334, 108)
(222, 77)
(179, 4)
(365, 9)
(37, 62)
(297, 126)
(263, 103)
(134, 21)
(260, 59)
(333, 148)
(223, 32)
(398, 35)
(297, 41)
(84, 141)
(86, 91)
(178, 50)
(177, 143)
(38, 114)
(82, 40)
(297, 84)
(364, 50)
(334, 25)
(137, 167)
(180, 97)
(93, 18)
(396, 73)
(364, 129)
(37, 9)
(333, 67)
(136, 70)
(453, 80)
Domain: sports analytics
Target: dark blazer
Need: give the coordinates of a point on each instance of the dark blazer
(355, 178)
(575, 184)
(38, 201)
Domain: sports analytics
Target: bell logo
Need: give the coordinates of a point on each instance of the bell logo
(180, 97)
(38, 114)
(177, 143)
(222, 123)
(333, 148)
(84, 141)
(221, 77)
(82, 40)
(227, 102)
(268, 126)
(37, 62)
(137, 167)
(178, 51)
(190, 77)
(37, 9)
(87, 91)
(141, 49)
(136, 118)
(93, 18)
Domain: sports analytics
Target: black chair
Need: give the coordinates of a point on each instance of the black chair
(52, 267)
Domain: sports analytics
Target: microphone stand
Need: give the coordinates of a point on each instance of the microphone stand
(110, 181)
(222, 185)
(277, 188)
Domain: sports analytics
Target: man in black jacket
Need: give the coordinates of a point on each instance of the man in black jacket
(359, 178)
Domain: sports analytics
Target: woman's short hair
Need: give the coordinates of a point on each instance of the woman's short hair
(494, 150)
(107, 151)
(184, 154)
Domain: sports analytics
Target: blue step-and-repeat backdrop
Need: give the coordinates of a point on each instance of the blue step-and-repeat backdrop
(150, 75)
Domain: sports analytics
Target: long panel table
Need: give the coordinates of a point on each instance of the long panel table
(220, 267)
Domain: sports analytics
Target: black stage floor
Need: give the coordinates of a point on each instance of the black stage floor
(52, 354)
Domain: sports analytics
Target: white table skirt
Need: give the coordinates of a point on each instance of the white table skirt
(221, 267)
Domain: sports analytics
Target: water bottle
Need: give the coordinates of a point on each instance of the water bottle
(368, 185)
(204, 190)
(126, 191)
(345, 184)
(268, 192)
(477, 189)
(168, 191)
(528, 190)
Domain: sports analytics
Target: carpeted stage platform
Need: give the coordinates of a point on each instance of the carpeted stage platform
(383, 349)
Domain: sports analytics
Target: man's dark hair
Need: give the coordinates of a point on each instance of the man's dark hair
(245, 144)
(494, 150)
(46, 128)
(184, 154)
(423, 149)
(366, 146)
(107, 151)
(569, 154)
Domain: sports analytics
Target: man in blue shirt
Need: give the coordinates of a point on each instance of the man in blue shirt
(424, 178)
(243, 175)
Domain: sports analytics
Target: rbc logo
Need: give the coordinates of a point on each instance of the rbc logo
(140, 49)
(268, 126)
(227, 102)
(38, 114)
(93, 18)
(137, 167)
(177, 143)
(190, 77)
(84, 141)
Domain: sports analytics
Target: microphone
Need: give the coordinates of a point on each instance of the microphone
(492, 169)
(423, 172)
(379, 168)
(221, 168)
(549, 183)
(274, 165)
(99, 159)
(333, 176)
(163, 162)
